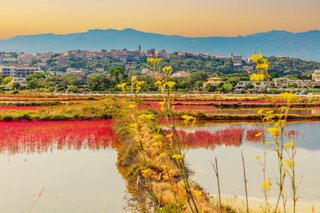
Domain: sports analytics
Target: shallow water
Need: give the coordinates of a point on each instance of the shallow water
(73, 161)
(74, 181)
(230, 164)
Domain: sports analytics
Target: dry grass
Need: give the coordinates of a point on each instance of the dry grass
(130, 164)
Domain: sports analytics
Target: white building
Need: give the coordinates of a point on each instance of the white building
(316, 76)
(19, 72)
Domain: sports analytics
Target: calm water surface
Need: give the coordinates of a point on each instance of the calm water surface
(230, 164)
(74, 181)
(73, 161)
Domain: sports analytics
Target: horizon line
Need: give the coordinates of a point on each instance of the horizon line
(128, 28)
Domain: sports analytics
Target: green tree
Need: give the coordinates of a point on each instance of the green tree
(249, 86)
(70, 79)
(7, 80)
(33, 62)
(35, 76)
(117, 72)
(32, 84)
(98, 82)
(198, 85)
(274, 75)
(72, 88)
(198, 76)
(16, 85)
(227, 87)
(210, 88)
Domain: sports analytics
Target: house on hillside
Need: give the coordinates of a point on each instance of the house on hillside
(180, 74)
(256, 85)
(316, 76)
(236, 60)
(248, 69)
(213, 81)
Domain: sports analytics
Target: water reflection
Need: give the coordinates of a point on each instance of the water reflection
(86, 181)
(308, 154)
(42, 136)
(73, 160)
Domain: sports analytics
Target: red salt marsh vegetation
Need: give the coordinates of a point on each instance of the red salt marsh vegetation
(206, 139)
(42, 136)
(253, 135)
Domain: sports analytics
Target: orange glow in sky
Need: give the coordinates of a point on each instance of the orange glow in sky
(179, 17)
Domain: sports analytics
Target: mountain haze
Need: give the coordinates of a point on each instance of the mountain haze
(304, 45)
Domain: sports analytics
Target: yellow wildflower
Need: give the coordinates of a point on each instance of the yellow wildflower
(146, 116)
(258, 134)
(263, 64)
(170, 83)
(257, 77)
(132, 106)
(157, 143)
(159, 127)
(122, 85)
(258, 157)
(134, 125)
(166, 177)
(256, 58)
(169, 136)
(157, 137)
(260, 111)
(197, 194)
(187, 117)
(133, 79)
(288, 96)
(154, 60)
(289, 144)
(268, 142)
(139, 83)
(144, 171)
(274, 131)
(161, 103)
(151, 60)
(163, 154)
(289, 163)
(266, 185)
(167, 68)
(177, 157)
(159, 82)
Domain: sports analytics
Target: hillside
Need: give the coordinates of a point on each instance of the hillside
(303, 45)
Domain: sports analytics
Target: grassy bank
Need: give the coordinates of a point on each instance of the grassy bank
(131, 166)
(230, 98)
(104, 109)
(241, 117)
(32, 103)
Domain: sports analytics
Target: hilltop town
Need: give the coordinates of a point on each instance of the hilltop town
(195, 71)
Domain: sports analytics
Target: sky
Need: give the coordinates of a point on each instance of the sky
(194, 18)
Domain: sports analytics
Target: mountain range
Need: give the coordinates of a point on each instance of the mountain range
(304, 45)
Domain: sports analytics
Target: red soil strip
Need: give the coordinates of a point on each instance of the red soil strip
(21, 108)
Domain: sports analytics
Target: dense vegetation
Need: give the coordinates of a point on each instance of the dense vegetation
(105, 75)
